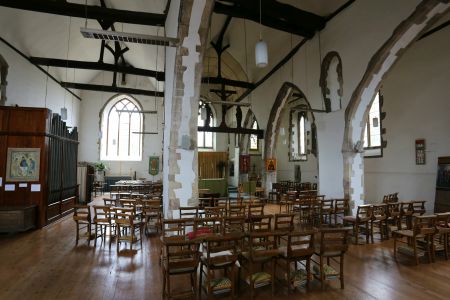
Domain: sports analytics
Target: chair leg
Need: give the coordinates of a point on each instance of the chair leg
(322, 275)
(273, 276)
(395, 245)
(356, 229)
(341, 271)
(288, 274)
(308, 271)
(371, 230)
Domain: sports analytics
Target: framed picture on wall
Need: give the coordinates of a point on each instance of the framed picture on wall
(420, 151)
(153, 165)
(22, 164)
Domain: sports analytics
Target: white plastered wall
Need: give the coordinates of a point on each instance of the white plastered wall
(416, 103)
(91, 108)
(27, 87)
(355, 34)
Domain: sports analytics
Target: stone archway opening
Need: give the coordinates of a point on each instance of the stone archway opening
(362, 97)
(291, 126)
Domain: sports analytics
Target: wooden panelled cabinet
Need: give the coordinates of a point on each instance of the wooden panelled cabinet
(26, 127)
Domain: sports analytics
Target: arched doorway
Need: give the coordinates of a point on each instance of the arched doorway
(356, 112)
(291, 120)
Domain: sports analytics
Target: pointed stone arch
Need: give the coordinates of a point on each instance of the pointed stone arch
(273, 125)
(381, 62)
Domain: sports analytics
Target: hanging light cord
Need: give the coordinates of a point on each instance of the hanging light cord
(67, 58)
(157, 82)
(292, 64)
(46, 88)
(260, 26)
(246, 60)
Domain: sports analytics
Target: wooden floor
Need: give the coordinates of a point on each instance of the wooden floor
(46, 264)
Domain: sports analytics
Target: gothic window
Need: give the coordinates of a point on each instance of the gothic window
(205, 140)
(254, 143)
(121, 125)
(372, 130)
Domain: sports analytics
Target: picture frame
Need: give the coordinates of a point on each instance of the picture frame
(23, 164)
(153, 165)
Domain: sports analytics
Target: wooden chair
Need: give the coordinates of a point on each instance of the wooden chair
(362, 218)
(326, 210)
(340, 207)
(236, 210)
(233, 224)
(188, 212)
(442, 233)
(262, 250)
(406, 215)
(393, 216)
(332, 247)
(109, 202)
(102, 222)
(216, 211)
(418, 208)
(128, 229)
(422, 232)
(379, 219)
(152, 215)
(284, 222)
(82, 218)
(219, 253)
(180, 257)
(205, 227)
(300, 247)
(274, 194)
(260, 223)
(255, 210)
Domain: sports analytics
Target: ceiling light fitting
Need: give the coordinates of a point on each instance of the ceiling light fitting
(128, 37)
(261, 54)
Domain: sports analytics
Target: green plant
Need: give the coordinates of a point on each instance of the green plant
(99, 166)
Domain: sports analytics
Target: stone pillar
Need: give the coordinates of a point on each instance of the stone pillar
(183, 79)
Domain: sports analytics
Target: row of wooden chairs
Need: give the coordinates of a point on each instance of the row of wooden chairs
(259, 252)
(386, 216)
(315, 210)
(283, 187)
(429, 234)
(126, 223)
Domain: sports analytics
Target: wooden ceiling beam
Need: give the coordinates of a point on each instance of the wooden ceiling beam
(87, 11)
(275, 14)
(111, 89)
(228, 82)
(90, 65)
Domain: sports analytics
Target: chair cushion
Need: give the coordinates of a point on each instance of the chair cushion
(260, 279)
(202, 231)
(220, 284)
(299, 278)
(329, 271)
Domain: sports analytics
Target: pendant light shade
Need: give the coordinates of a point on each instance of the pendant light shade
(203, 113)
(261, 55)
(63, 113)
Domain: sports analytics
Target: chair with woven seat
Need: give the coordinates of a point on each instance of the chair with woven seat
(419, 239)
(340, 207)
(216, 211)
(128, 228)
(260, 223)
(102, 222)
(332, 246)
(442, 233)
(236, 211)
(406, 215)
(274, 194)
(152, 215)
(188, 212)
(219, 253)
(82, 218)
(418, 208)
(299, 247)
(180, 258)
(362, 219)
(233, 224)
(284, 222)
(326, 210)
(109, 202)
(379, 219)
(393, 216)
(262, 250)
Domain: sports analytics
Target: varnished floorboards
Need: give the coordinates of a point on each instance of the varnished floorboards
(46, 264)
